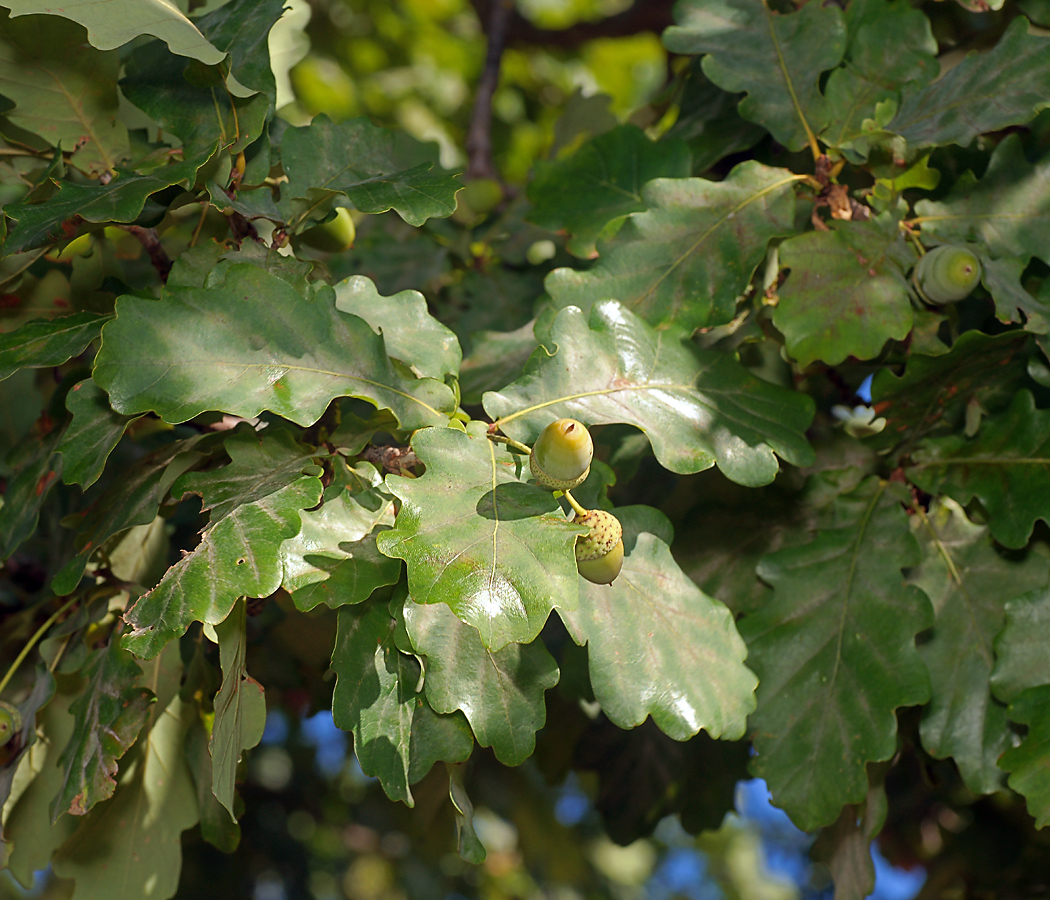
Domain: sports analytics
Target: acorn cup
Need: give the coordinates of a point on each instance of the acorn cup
(10, 722)
(599, 554)
(561, 457)
(947, 274)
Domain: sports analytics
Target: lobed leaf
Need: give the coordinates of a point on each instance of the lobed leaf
(251, 344)
(834, 651)
(92, 434)
(498, 551)
(48, 342)
(690, 256)
(255, 503)
(969, 584)
(397, 736)
(697, 408)
(1020, 648)
(500, 692)
(28, 486)
(1006, 466)
(777, 59)
(1027, 763)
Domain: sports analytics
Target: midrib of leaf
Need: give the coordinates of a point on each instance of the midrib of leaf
(495, 513)
(710, 231)
(810, 137)
(85, 123)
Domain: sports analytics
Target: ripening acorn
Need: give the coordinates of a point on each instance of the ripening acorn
(10, 722)
(947, 274)
(561, 457)
(599, 554)
(334, 236)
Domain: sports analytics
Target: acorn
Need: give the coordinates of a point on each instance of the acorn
(947, 274)
(599, 554)
(561, 457)
(10, 722)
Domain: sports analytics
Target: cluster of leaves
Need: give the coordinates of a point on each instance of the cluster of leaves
(175, 359)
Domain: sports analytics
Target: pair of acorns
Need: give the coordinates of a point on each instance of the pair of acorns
(560, 460)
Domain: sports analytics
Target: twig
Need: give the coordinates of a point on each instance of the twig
(40, 632)
(153, 247)
(643, 15)
(479, 135)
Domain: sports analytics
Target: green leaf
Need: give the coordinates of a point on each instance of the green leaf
(846, 294)
(48, 342)
(1020, 649)
(64, 91)
(191, 100)
(89, 439)
(499, 552)
(932, 394)
(27, 490)
(109, 715)
(470, 847)
(133, 500)
(690, 256)
(696, 407)
(375, 168)
(968, 583)
(500, 693)
(112, 23)
(1029, 763)
(890, 43)
(240, 708)
(397, 736)
(659, 646)
(410, 333)
(121, 200)
(602, 181)
(217, 828)
(834, 650)
(496, 358)
(251, 344)
(242, 28)
(845, 845)
(1008, 209)
(1006, 466)
(985, 92)
(255, 503)
(1002, 279)
(128, 848)
(777, 59)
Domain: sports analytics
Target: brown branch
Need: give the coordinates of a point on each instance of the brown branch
(643, 15)
(153, 247)
(479, 135)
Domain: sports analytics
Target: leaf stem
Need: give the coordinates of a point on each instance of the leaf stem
(40, 632)
(510, 442)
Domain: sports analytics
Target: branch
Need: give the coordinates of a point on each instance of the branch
(643, 15)
(152, 245)
(479, 136)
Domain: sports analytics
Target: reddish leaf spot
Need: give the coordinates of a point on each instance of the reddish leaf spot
(45, 481)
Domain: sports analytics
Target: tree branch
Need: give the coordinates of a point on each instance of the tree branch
(479, 135)
(643, 15)
(153, 247)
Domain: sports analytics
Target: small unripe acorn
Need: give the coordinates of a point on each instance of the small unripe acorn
(10, 722)
(334, 236)
(947, 274)
(561, 456)
(599, 554)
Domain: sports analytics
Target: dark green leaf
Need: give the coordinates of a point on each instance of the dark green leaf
(255, 503)
(241, 28)
(109, 715)
(1029, 763)
(776, 59)
(397, 736)
(89, 439)
(500, 693)
(1006, 466)
(985, 92)
(254, 343)
(121, 200)
(1020, 649)
(217, 828)
(240, 708)
(692, 254)
(1008, 209)
(602, 181)
(375, 168)
(968, 583)
(697, 408)
(846, 294)
(498, 551)
(845, 846)
(659, 646)
(27, 489)
(470, 847)
(1002, 279)
(410, 333)
(48, 342)
(835, 654)
(496, 358)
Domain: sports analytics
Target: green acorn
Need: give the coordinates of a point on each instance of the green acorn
(947, 274)
(599, 554)
(10, 722)
(561, 457)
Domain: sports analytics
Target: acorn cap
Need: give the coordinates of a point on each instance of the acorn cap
(605, 534)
